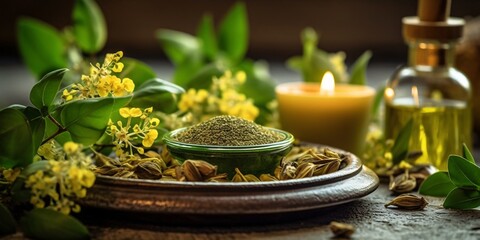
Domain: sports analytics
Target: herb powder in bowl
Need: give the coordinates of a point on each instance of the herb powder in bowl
(228, 131)
(230, 142)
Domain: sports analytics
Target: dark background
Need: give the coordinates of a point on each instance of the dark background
(352, 26)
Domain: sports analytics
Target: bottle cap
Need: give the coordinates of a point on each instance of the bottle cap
(433, 22)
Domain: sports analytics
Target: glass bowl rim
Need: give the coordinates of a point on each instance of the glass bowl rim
(285, 143)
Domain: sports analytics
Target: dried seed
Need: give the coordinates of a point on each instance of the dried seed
(267, 178)
(251, 178)
(239, 177)
(190, 171)
(330, 167)
(402, 183)
(341, 229)
(206, 169)
(408, 202)
(170, 172)
(149, 170)
(305, 170)
(278, 172)
(288, 171)
(218, 178)
(330, 153)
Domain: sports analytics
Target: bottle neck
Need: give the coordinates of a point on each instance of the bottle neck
(431, 54)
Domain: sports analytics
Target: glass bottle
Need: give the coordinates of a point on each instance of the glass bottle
(430, 91)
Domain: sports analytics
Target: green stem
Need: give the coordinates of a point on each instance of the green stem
(60, 130)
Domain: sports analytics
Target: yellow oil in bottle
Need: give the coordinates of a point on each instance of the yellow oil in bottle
(439, 128)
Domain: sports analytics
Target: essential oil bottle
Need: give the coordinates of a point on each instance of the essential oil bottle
(429, 90)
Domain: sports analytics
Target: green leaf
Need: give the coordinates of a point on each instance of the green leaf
(295, 63)
(16, 146)
(89, 26)
(437, 185)
(206, 35)
(400, 147)
(43, 92)
(463, 173)
(8, 225)
(467, 154)
(37, 126)
(136, 70)
(87, 119)
(358, 74)
(377, 101)
(178, 46)
(462, 199)
(186, 71)
(233, 33)
(41, 223)
(318, 65)
(41, 46)
(156, 93)
(259, 86)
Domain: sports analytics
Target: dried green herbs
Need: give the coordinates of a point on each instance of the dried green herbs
(228, 131)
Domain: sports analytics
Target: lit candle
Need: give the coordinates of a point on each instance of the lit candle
(337, 116)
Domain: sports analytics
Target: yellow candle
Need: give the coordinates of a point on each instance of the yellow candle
(337, 116)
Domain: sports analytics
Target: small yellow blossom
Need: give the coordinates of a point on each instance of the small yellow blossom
(125, 135)
(130, 112)
(70, 147)
(154, 122)
(11, 174)
(150, 138)
(118, 67)
(100, 82)
(241, 77)
(66, 177)
(128, 85)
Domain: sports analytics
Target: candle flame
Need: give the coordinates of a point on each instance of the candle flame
(415, 95)
(327, 87)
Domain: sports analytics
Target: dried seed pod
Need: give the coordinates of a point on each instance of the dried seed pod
(402, 183)
(190, 171)
(170, 172)
(408, 202)
(179, 174)
(341, 230)
(331, 154)
(288, 171)
(278, 172)
(267, 178)
(252, 178)
(239, 177)
(149, 170)
(330, 167)
(419, 177)
(218, 178)
(305, 170)
(206, 169)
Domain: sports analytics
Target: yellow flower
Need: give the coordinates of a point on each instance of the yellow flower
(118, 67)
(150, 138)
(128, 85)
(118, 55)
(202, 94)
(148, 110)
(154, 122)
(11, 174)
(241, 77)
(70, 147)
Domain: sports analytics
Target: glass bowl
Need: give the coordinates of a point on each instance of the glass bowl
(252, 159)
